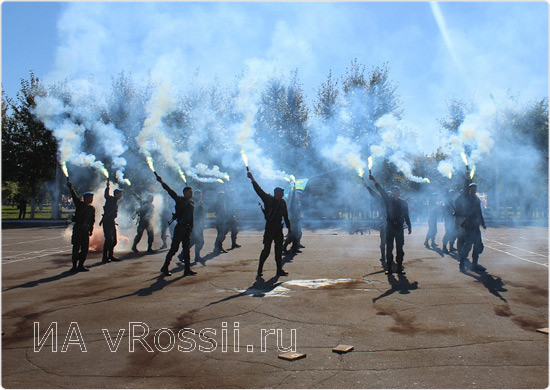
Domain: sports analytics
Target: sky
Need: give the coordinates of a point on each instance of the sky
(435, 51)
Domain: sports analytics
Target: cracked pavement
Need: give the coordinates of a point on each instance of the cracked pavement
(435, 327)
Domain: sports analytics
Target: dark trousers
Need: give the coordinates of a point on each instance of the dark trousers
(396, 234)
(150, 233)
(294, 237)
(22, 212)
(81, 241)
(222, 228)
(450, 232)
(472, 238)
(165, 229)
(432, 231)
(234, 230)
(197, 239)
(109, 231)
(382, 227)
(272, 234)
(182, 234)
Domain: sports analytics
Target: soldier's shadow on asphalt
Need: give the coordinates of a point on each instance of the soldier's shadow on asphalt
(258, 289)
(493, 284)
(62, 275)
(400, 285)
(35, 283)
(288, 257)
(437, 250)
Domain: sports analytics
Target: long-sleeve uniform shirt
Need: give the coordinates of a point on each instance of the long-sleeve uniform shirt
(184, 208)
(397, 210)
(110, 209)
(84, 216)
(275, 210)
(468, 209)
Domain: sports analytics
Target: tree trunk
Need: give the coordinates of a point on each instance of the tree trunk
(55, 195)
(33, 207)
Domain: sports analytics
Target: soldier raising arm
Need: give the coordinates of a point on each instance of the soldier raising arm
(275, 210)
(84, 219)
(182, 232)
(397, 212)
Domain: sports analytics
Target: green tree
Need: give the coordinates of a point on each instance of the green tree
(28, 148)
(327, 104)
(365, 100)
(456, 112)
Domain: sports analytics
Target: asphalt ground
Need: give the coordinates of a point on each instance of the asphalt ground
(435, 327)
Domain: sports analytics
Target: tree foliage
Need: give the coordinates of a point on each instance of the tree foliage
(28, 148)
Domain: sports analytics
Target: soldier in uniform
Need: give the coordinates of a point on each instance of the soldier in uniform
(275, 210)
(182, 232)
(84, 219)
(295, 214)
(468, 212)
(110, 212)
(166, 219)
(232, 224)
(197, 235)
(397, 213)
(145, 222)
(449, 221)
(222, 225)
(433, 216)
(380, 207)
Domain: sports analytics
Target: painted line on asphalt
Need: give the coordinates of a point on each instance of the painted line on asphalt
(515, 247)
(27, 242)
(521, 258)
(42, 253)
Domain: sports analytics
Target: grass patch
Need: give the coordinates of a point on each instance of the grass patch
(12, 212)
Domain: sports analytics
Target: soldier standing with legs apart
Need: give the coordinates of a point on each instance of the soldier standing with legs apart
(275, 210)
(110, 212)
(232, 224)
(166, 219)
(468, 210)
(197, 235)
(222, 225)
(182, 232)
(380, 206)
(433, 216)
(449, 221)
(397, 213)
(145, 222)
(84, 219)
(295, 213)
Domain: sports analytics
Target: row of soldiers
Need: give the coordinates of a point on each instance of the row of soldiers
(462, 217)
(393, 211)
(190, 222)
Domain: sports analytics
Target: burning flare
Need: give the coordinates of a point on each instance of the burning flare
(473, 171)
(105, 172)
(64, 169)
(450, 175)
(182, 175)
(150, 163)
(293, 178)
(226, 177)
(464, 158)
(369, 162)
(360, 171)
(220, 181)
(287, 179)
(245, 159)
(426, 180)
(127, 182)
